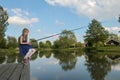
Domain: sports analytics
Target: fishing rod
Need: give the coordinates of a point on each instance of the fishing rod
(60, 33)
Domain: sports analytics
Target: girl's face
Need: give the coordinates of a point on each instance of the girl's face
(26, 33)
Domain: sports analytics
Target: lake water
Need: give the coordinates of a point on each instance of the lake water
(70, 65)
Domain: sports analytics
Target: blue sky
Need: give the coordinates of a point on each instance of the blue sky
(47, 17)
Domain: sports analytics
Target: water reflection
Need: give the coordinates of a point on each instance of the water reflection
(2, 59)
(11, 59)
(14, 58)
(67, 59)
(47, 54)
(98, 66)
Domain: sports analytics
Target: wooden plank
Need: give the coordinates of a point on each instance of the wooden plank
(8, 72)
(4, 68)
(1, 66)
(17, 72)
(14, 71)
(26, 72)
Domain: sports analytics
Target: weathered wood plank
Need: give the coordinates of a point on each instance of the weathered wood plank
(1, 66)
(17, 72)
(3, 69)
(14, 71)
(8, 72)
(25, 73)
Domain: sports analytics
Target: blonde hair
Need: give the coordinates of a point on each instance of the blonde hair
(25, 30)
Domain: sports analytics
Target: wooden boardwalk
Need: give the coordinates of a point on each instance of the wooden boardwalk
(14, 71)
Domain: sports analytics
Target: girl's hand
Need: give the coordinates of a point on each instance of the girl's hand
(28, 42)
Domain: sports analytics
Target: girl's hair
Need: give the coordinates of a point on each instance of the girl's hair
(25, 30)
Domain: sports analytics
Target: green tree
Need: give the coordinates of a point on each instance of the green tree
(96, 33)
(3, 22)
(34, 43)
(66, 39)
(48, 44)
(11, 42)
(41, 45)
(56, 44)
(3, 43)
(114, 37)
(78, 44)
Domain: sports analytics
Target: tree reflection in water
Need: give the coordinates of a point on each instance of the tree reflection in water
(14, 58)
(19, 59)
(34, 56)
(67, 59)
(98, 66)
(2, 58)
(11, 58)
(47, 54)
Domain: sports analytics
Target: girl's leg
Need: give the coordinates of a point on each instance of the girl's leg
(32, 52)
(27, 54)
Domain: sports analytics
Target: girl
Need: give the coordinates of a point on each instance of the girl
(25, 49)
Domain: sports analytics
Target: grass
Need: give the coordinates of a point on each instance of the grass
(66, 49)
(103, 49)
(10, 51)
(109, 49)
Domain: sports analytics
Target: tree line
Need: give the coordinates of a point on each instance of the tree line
(66, 40)
(10, 42)
(95, 36)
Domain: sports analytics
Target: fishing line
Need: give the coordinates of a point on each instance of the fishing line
(59, 33)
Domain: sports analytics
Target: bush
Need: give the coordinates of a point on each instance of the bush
(11, 42)
(3, 43)
(98, 44)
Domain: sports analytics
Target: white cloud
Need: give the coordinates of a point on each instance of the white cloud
(17, 11)
(113, 29)
(99, 9)
(21, 18)
(59, 23)
(38, 30)
(21, 21)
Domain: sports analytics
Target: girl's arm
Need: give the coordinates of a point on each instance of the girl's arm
(21, 38)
